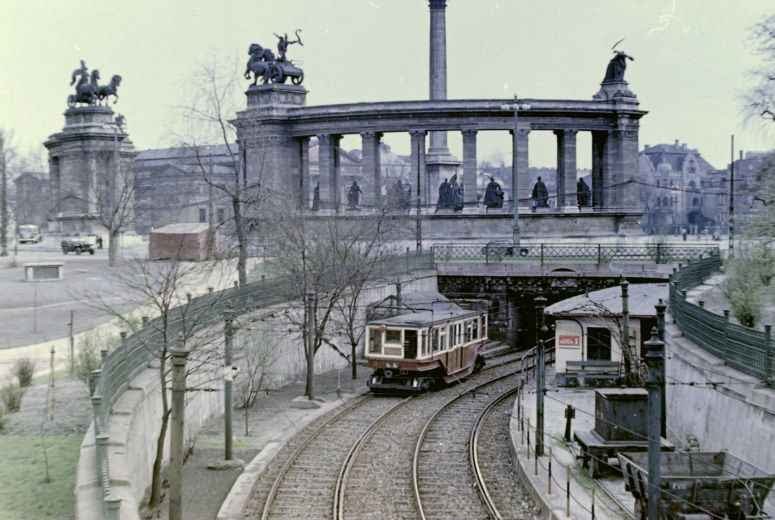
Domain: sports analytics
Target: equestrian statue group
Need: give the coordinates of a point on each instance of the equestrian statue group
(275, 69)
(88, 91)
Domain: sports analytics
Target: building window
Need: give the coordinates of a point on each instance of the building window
(221, 215)
(202, 215)
(598, 343)
(695, 202)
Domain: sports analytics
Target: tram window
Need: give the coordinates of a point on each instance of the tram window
(410, 344)
(443, 338)
(475, 329)
(424, 343)
(393, 336)
(435, 340)
(375, 341)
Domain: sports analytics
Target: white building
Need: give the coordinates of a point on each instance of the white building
(588, 326)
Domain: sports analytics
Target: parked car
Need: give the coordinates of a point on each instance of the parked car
(78, 245)
(29, 233)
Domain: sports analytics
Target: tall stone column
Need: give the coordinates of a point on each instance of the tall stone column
(417, 159)
(520, 164)
(469, 167)
(328, 146)
(304, 181)
(566, 168)
(600, 168)
(371, 169)
(440, 162)
(627, 165)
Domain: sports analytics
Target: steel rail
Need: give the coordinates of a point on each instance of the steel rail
(295, 455)
(344, 471)
(432, 418)
(473, 456)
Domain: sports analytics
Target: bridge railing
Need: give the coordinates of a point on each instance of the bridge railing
(748, 350)
(599, 254)
(141, 349)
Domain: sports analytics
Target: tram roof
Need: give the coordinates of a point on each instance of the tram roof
(425, 318)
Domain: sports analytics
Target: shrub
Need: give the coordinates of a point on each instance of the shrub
(743, 288)
(11, 394)
(24, 369)
(87, 358)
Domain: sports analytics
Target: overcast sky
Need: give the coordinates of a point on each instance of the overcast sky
(690, 63)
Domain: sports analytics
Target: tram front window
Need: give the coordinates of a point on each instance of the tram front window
(375, 341)
(410, 344)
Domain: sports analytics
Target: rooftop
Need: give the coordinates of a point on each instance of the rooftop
(642, 298)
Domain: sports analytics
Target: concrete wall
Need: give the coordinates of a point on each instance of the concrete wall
(738, 415)
(134, 427)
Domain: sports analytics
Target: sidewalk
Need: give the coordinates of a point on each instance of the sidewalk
(271, 421)
(564, 465)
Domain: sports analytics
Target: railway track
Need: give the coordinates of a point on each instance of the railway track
(447, 477)
(304, 486)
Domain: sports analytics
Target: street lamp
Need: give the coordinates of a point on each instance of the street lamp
(516, 106)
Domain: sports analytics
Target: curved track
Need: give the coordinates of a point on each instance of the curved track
(444, 478)
(304, 486)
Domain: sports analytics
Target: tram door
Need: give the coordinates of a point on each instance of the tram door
(410, 344)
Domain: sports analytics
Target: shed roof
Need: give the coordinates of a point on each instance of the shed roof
(182, 228)
(642, 298)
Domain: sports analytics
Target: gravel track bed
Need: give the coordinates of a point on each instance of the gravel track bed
(497, 465)
(307, 489)
(445, 478)
(380, 484)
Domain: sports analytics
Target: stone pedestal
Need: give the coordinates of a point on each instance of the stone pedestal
(273, 158)
(615, 90)
(84, 159)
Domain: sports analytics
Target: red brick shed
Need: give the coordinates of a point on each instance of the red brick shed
(185, 241)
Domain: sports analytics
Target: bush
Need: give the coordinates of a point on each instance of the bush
(11, 394)
(24, 369)
(87, 358)
(743, 288)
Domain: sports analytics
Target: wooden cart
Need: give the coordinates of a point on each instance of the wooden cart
(699, 485)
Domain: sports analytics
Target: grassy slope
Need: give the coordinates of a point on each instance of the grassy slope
(23, 492)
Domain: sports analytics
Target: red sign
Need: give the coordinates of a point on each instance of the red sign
(570, 341)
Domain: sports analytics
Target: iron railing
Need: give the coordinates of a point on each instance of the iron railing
(748, 350)
(136, 352)
(503, 252)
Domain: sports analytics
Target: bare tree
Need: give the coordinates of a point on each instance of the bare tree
(114, 199)
(3, 198)
(256, 357)
(759, 101)
(160, 289)
(213, 102)
(321, 262)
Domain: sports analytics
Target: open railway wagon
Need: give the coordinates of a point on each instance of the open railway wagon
(699, 486)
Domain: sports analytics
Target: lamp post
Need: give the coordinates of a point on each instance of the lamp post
(540, 305)
(516, 106)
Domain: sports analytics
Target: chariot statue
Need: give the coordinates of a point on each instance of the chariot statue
(274, 69)
(88, 91)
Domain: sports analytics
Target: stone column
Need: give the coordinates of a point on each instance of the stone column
(328, 146)
(520, 164)
(469, 167)
(599, 140)
(628, 189)
(438, 67)
(336, 177)
(566, 168)
(304, 181)
(371, 169)
(419, 174)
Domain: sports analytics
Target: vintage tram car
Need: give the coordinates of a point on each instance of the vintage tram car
(422, 349)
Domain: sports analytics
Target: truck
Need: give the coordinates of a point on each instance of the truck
(29, 233)
(78, 244)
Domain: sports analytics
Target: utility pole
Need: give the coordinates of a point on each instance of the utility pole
(71, 338)
(540, 304)
(310, 343)
(655, 356)
(515, 107)
(3, 200)
(179, 356)
(626, 330)
(418, 222)
(731, 219)
(660, 307)
(228, 377)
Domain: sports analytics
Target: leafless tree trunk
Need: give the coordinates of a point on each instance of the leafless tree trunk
(759, 100)
(3, 199)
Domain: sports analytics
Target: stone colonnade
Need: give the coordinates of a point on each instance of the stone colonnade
(276, 149)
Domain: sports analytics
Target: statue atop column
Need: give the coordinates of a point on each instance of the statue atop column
(493, 195)
(88, 91)
(613, 85)
(583, 193)
(274, 69)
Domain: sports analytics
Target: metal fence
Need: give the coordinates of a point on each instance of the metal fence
(745, 349)
(501, 252)
(136, 352)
